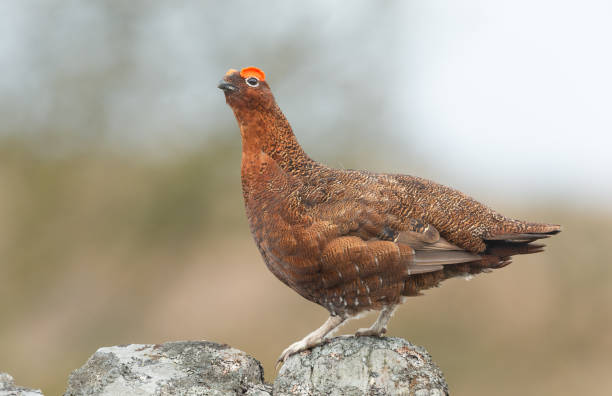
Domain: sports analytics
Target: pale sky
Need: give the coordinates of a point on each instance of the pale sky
(512, 97)
(521, 88)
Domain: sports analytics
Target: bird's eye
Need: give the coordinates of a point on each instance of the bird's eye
(252, 81)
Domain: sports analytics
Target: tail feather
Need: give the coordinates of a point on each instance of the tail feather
(519, 238)
(497, 255)
(521, 232)
(431, 267)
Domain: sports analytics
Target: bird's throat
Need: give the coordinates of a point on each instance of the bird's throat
(270, 133)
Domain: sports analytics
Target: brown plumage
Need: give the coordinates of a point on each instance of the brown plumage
(353, 241)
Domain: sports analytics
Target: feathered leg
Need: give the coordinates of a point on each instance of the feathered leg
(379, 327)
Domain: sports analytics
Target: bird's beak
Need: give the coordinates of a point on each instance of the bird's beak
(225, 86)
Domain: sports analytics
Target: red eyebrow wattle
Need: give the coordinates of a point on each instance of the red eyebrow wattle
(253, 71)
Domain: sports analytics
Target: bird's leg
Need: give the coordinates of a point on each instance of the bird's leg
(379, 327)
(313, 339)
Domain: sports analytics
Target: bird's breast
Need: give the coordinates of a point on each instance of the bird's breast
(277, 219)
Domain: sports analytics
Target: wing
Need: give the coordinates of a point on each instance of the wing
(367, 253)
(378, 249)
(368, 259)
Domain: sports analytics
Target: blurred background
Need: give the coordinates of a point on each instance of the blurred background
(121, 215)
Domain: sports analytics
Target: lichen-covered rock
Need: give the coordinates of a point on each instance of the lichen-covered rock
(8, 387)
(361, 366)
(174, 368)
(341, 366)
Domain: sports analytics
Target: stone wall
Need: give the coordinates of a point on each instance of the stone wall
(342, 366)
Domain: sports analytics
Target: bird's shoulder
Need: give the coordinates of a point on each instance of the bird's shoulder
(364, 204)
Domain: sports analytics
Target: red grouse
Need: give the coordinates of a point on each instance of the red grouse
(353, 241)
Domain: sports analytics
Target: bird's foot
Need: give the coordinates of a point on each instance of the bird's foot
(371, 331)
(313, 339)
(302, 345)
(379, 327)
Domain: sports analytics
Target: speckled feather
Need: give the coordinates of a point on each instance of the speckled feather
(354, 240)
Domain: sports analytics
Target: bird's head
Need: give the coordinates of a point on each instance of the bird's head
(246, 89)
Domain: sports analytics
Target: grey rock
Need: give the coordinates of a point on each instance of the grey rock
(8, 387)
(361, 366)
(260, 390)
(174, 368)
(341, 366)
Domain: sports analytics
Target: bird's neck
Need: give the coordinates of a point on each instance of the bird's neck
(270, 133)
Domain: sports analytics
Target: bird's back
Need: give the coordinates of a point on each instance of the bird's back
(397, 202)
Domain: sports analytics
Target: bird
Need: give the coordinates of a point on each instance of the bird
(354, 241)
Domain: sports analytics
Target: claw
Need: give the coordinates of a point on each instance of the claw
(296, 347)
(279, 363)
(292, 349)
